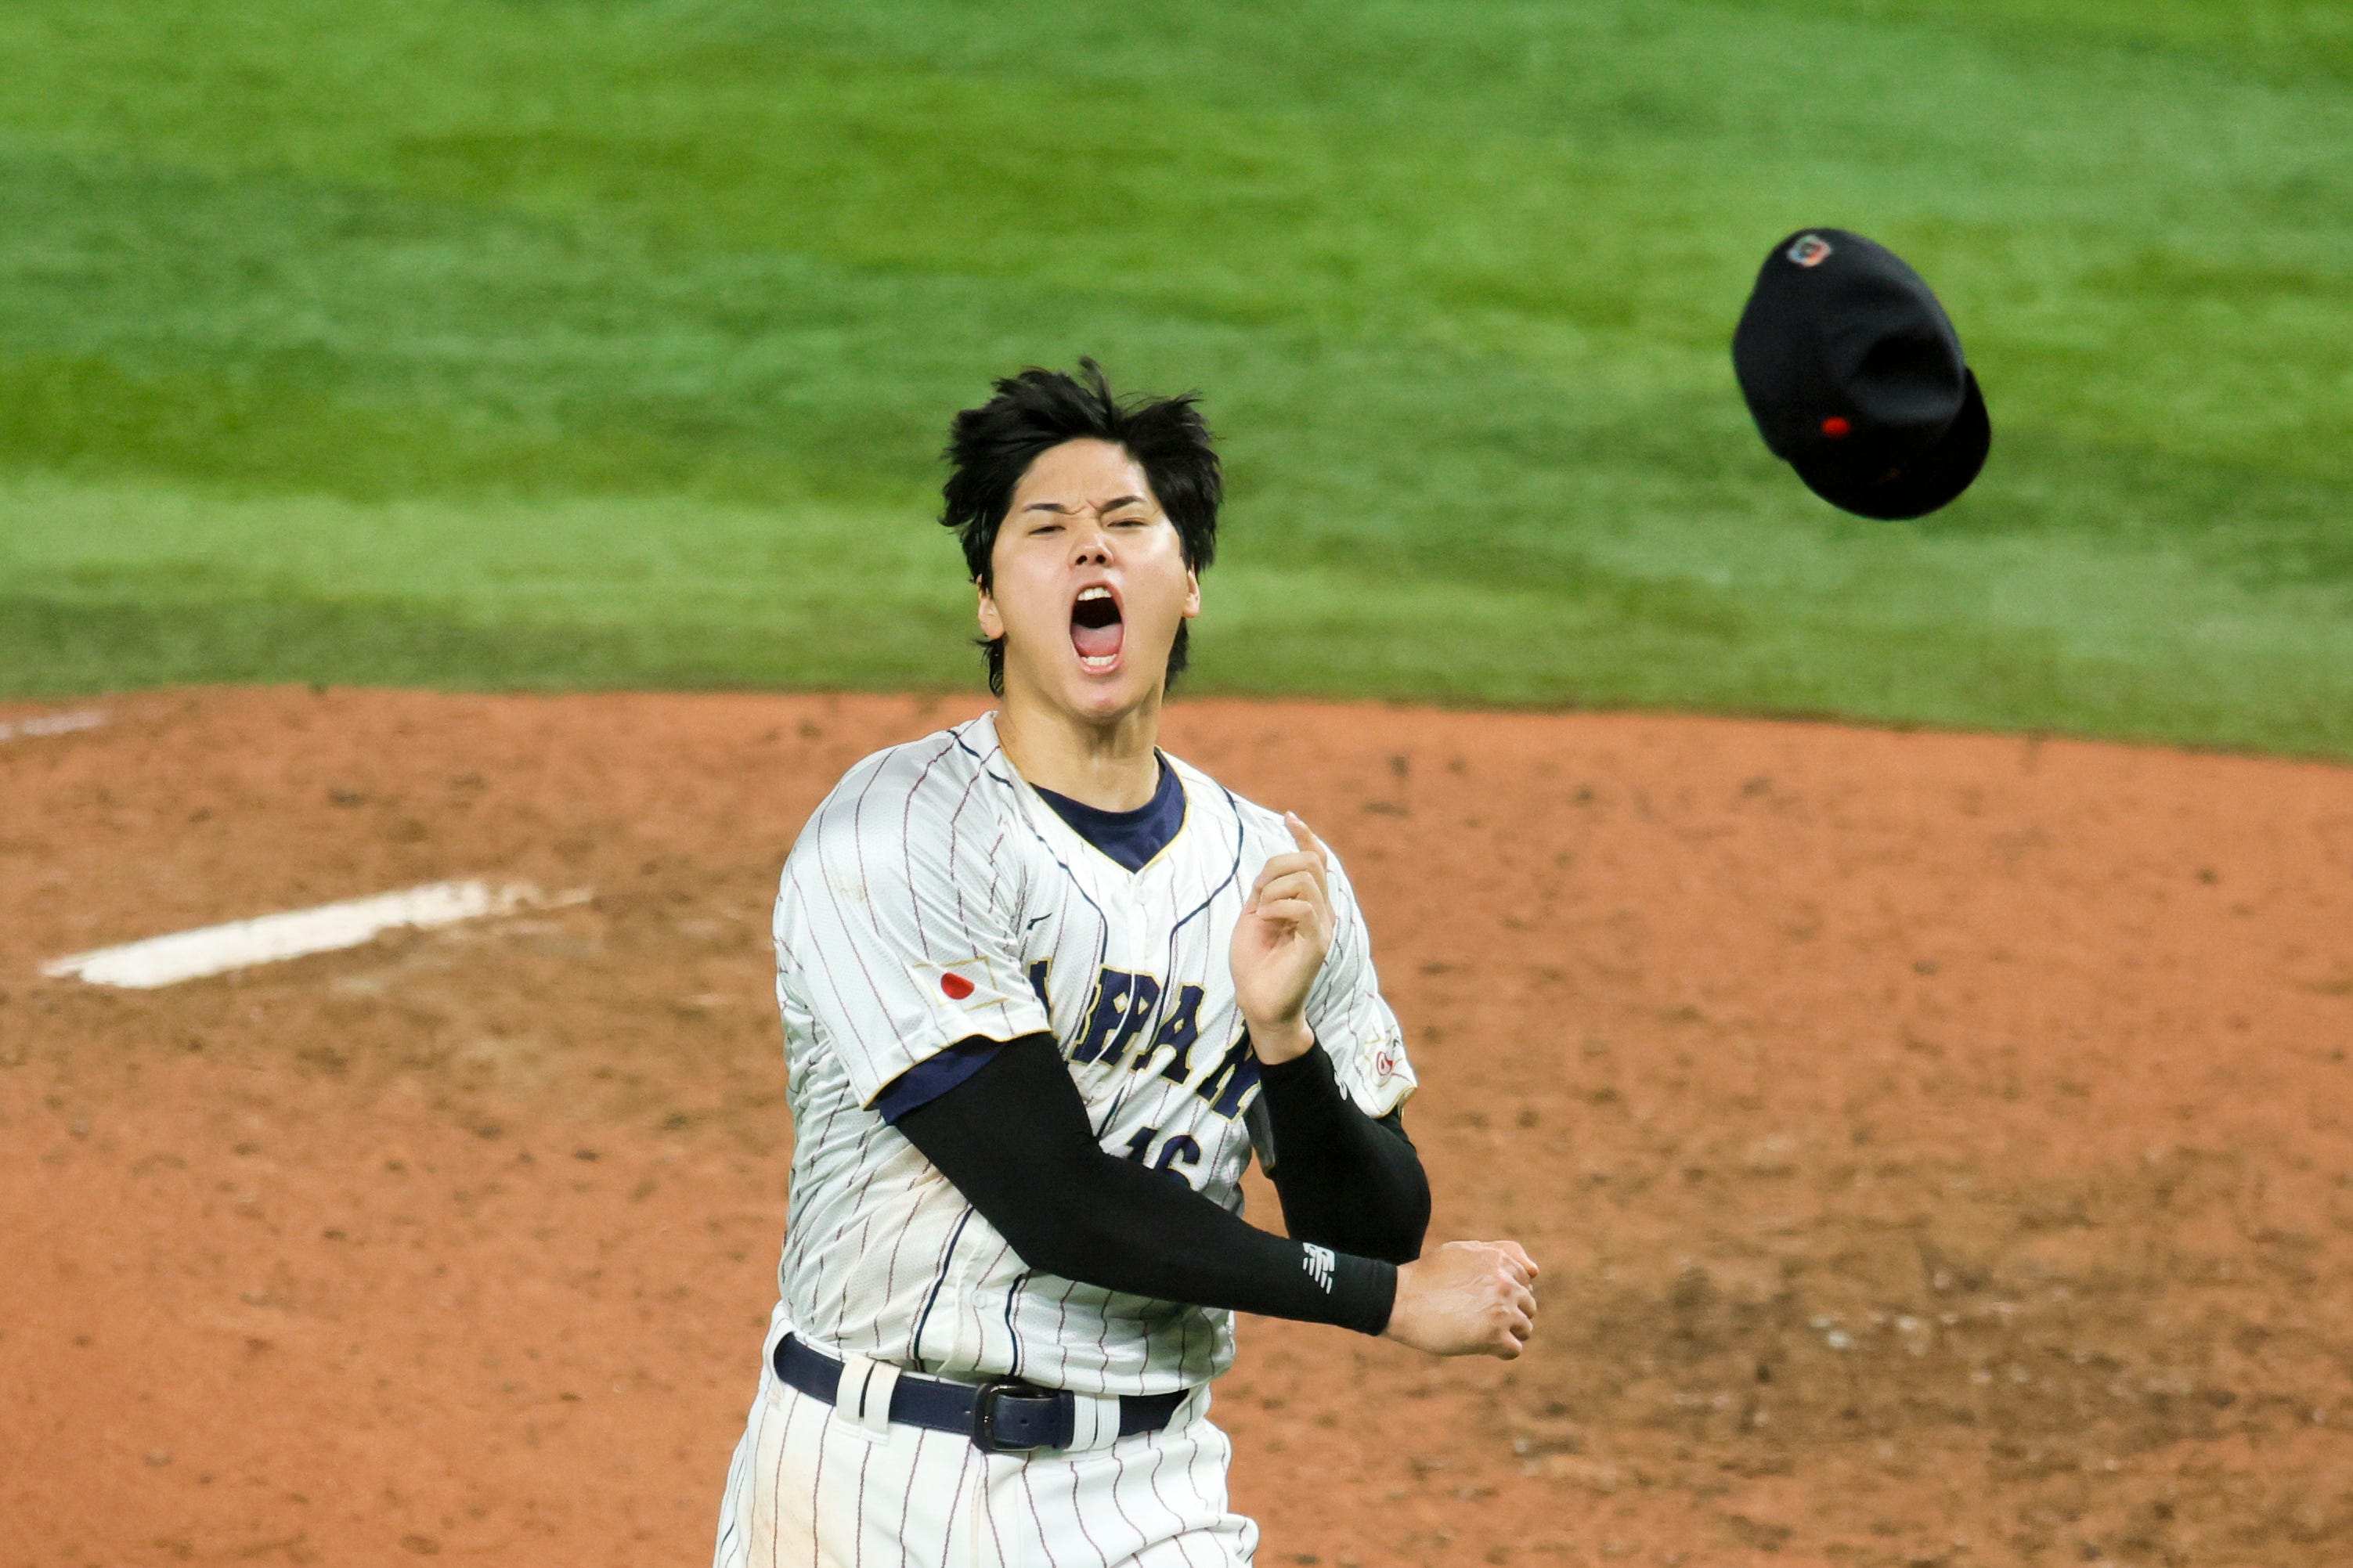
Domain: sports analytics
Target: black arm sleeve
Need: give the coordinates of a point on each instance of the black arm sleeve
(1014, 1138)
(1345, 1180)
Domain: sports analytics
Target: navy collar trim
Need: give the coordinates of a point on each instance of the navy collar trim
(1130, 838)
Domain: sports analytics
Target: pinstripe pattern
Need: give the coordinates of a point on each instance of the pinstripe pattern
(807, 1488)
(913, 911)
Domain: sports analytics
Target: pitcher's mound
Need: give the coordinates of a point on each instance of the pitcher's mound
(1938, 1145)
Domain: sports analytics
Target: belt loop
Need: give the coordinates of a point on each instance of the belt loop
(1094, 1422)
(862, 1402)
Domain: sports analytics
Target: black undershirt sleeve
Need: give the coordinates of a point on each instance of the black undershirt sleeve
(1346, 1180)
(1015, 1138)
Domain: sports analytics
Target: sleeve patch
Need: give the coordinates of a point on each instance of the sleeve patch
(975, 996)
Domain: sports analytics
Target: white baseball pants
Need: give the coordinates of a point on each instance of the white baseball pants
(812, 1487)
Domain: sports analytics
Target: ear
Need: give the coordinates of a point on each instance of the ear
(992, 625)
(1192, 594)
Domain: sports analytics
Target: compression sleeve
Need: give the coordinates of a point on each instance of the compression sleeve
(1345, 1180)
(933, 1077)
(1014, 1140)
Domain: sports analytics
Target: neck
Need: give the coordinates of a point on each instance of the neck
(1109, 764)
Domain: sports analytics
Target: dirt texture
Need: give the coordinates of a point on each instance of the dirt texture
(1938, 1145)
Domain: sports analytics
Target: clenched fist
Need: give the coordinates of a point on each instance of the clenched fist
(1467, 1298)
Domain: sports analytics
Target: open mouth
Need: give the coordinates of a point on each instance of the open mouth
(1096, 630)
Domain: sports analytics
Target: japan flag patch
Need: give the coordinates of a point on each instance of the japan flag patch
(961, 991)
(958, 979)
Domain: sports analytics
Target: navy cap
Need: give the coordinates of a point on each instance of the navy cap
(1855, 376)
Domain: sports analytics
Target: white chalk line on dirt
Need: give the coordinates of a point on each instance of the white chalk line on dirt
(298, 933)
(52, 724)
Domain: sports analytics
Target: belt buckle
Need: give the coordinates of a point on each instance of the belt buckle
(984, 1414)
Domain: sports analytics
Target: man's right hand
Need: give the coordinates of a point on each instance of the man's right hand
(1467, 1298)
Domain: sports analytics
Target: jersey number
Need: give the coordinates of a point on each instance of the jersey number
(1180, 1149)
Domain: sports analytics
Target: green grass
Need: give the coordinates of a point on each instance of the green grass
(560, 342)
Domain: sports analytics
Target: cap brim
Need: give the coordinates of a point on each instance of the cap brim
(1920, 485)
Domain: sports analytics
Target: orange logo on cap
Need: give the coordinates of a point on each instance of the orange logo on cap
(1809, 249)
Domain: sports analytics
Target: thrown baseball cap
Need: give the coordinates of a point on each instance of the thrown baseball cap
(1855, 376)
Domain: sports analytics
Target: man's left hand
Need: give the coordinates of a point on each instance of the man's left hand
(1280, 943)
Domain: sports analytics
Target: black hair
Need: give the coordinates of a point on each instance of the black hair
(991, 446)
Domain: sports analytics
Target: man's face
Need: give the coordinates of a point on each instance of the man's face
(1088, 584)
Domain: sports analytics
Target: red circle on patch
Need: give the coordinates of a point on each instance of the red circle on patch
(955, 985)
(1835, 426)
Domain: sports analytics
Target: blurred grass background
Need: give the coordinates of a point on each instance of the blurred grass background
(589, 342)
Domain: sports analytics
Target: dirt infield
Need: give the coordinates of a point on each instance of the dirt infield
(1938, 1145)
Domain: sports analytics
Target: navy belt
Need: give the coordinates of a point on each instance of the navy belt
(1005, 1416)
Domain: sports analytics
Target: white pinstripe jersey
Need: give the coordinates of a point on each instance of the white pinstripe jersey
(934, 896)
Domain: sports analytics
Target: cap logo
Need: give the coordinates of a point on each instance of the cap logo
(955, 985)
(1809, 249)
(1835, 428)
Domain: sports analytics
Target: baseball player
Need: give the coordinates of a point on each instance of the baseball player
(1045, 991)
